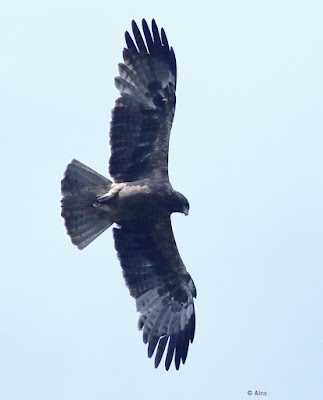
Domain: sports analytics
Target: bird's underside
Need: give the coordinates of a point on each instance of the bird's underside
(141, 199)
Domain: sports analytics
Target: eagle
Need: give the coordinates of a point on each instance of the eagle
(140, 199)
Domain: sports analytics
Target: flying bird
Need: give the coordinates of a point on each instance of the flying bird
(140, 200)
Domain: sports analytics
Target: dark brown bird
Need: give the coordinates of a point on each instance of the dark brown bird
(141, 199)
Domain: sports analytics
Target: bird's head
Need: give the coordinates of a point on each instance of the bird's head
(180, 203)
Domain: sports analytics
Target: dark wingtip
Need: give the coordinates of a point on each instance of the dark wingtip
(130, 43)
(138, 37)
(164, 38)
(134, 24)
(152, 345)
(170, 351)
(156, 33)
(160, 350)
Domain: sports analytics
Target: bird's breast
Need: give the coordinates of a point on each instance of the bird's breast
(142, 201)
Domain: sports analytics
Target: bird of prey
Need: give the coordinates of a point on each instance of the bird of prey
(141, 199)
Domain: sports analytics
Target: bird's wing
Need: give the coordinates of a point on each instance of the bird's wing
(164, 291)
(143, 115)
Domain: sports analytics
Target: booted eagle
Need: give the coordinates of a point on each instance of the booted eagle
(141, 199)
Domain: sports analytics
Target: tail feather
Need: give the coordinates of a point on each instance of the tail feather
(80, 188)
(80, 177)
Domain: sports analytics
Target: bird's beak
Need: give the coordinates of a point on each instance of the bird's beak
(186, 210)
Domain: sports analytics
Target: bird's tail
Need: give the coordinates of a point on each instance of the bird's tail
(81, 187)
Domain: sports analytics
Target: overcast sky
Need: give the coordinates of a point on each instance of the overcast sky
(246, 150)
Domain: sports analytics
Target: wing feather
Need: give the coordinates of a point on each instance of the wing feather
(160, 350)
(130, 43)
(139, 40)
(143, 115)
(156, 34)
(148, 37)
(163, 289)
(164, 38)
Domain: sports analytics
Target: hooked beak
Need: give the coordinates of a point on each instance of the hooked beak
(186, 210)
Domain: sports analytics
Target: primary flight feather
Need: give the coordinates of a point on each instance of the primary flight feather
(141, 199)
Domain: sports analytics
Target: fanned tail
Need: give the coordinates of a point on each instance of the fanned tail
(81, 187)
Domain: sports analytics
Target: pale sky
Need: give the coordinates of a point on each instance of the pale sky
(246, 150)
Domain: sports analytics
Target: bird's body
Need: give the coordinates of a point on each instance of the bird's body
(141, 199)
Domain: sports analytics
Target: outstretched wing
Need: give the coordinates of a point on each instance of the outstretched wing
(143, 115)
(163, 289)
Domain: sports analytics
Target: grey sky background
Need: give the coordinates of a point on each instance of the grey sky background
(246, 150)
